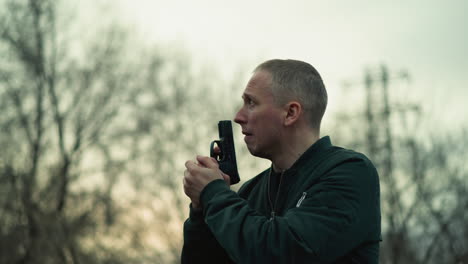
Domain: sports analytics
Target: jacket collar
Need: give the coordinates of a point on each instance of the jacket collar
(311, 155)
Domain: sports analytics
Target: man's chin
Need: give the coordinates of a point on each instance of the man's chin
(252, 150)
(256, 153)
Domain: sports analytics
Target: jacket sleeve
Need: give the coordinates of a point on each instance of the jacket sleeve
(336, 216)
(200, 246)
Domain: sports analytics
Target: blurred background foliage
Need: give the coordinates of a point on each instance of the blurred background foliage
(95, 128)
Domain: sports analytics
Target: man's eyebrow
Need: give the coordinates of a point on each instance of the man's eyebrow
(248, 96)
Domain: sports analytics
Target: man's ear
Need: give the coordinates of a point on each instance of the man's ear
(293, 112)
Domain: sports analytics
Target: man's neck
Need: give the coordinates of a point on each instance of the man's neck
(292, 150)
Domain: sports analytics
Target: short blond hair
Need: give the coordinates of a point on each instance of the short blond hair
(299, 81)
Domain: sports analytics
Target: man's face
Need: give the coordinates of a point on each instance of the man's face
(259, 117)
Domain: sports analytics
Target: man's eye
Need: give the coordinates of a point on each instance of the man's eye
(249, 102)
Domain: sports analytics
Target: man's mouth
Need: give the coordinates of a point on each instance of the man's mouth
(247, 136)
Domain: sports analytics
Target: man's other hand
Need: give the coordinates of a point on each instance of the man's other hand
(200, 173)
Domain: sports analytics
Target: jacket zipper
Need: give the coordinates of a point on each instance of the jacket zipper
(273, 206)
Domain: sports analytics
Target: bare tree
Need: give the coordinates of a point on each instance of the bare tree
(55, 110)
(93, 141)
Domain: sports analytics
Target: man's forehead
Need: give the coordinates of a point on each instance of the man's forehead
(262, 78)
(258, 84)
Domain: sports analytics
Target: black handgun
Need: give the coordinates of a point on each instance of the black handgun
(227, 156)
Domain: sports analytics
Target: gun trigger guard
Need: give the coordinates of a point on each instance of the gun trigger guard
(212, 153)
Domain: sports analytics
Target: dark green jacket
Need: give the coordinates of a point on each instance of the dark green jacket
(327, 211)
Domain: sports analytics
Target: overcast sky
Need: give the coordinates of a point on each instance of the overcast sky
(428, 38)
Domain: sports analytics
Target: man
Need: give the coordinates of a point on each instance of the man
(316, 204)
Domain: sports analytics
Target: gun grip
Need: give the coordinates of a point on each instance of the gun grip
(226, 156)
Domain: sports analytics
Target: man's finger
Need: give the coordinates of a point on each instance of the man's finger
(227, 178)
(217, 150)
(191, 165)
(186, 174)
(207, 162)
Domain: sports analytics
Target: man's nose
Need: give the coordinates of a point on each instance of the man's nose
(240, 117)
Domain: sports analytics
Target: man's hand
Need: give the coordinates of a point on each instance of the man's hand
(198, 175)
